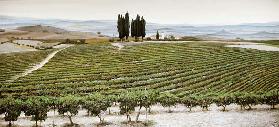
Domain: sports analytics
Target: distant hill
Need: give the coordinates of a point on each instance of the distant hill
(263, 35)
(108, 27)
(222, 33)
(45, 32)
(40, 28)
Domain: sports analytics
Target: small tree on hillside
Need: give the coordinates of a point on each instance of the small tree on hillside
(157, 35)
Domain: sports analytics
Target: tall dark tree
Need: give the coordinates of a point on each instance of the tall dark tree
(120, 26)
(143, 23)
(157, 35)
(132, 28)
(127, 25)
(138, 27)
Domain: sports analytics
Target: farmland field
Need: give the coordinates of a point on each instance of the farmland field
(13, 63)
(183, 69)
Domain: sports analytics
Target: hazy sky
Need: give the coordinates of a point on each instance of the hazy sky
(158, 11)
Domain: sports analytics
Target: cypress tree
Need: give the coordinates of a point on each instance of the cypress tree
(127, 25)
(143, 23)
(135, 28)
(157, 35)
(121, 26)
(132, 28)
(138, 26)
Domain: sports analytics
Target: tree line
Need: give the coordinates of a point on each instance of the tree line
(69, 105)
(137, 27)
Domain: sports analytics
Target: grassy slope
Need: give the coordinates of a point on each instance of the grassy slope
(186, 68)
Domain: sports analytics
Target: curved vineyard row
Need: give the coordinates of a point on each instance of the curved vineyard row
(181, 68)
(15, 63)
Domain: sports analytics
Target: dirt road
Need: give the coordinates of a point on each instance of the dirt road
(42, 63)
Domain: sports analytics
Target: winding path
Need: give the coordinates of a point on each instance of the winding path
(42, 63)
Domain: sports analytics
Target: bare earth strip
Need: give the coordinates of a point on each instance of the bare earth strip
(256, 46)
(248, 45)
(10, 47)
(42, 63)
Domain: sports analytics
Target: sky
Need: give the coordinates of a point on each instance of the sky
(214, 12)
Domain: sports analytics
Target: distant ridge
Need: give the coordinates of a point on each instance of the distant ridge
(40, 28)
(222, 33)
(108, 27)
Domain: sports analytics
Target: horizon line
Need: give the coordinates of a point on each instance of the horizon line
(170, 24)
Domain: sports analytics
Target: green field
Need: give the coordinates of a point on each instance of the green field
(15, 63)
(182, 68)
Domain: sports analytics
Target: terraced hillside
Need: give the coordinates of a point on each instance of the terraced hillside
(182, 68)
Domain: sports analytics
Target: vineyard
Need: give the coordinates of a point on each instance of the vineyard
(97, 76)
(15, 63)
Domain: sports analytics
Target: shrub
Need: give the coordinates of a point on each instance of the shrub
(148, 39)
(37, 107)
(145, 98)
(111, 39)
(11, 108)
(189, 102)
(95, 104)
(70, 105)
(224, 100)
(271, 98)
(168, 99)
(128, 103)
(205, 100)
(246, 100)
